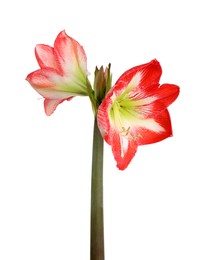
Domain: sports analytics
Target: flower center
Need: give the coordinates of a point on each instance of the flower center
(123, 113)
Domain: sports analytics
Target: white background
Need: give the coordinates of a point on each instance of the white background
(157, 207)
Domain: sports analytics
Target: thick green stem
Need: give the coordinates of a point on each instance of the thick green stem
(97, 221)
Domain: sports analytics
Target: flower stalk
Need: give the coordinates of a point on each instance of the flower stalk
(97, 220)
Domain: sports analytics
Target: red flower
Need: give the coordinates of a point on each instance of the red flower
(134, 112)
(62, 74)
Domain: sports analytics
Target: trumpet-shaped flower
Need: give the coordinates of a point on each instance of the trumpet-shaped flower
(63, 71)
(134, 112)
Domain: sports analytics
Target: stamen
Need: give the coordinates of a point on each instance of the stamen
(124, 131)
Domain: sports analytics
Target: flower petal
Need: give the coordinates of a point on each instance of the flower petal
(45, 56)
(123, 149)
(156, 101)
(103, 118)
(155, 129)
(48, 83)
(167, 93)
(51, 104)
(125, 142)
(144, 77)
(70, 55)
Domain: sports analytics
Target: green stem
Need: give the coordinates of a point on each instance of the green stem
(97, 221)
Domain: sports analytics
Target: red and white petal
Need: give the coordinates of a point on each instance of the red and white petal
(70, 55)
(155, 129)
(51, 104)
(167, 93)
(49, 84)
(148, 107)
(124, 144)
(45, 56)
(123, 148)
(103, 118)
(143, 77)
(157, 101)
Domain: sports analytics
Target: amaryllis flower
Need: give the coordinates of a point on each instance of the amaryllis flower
(62, 74)
(134, 112)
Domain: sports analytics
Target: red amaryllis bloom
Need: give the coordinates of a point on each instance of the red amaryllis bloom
(62, 74)
(134, 112)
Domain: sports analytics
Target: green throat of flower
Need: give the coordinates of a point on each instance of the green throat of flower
(123, 111)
